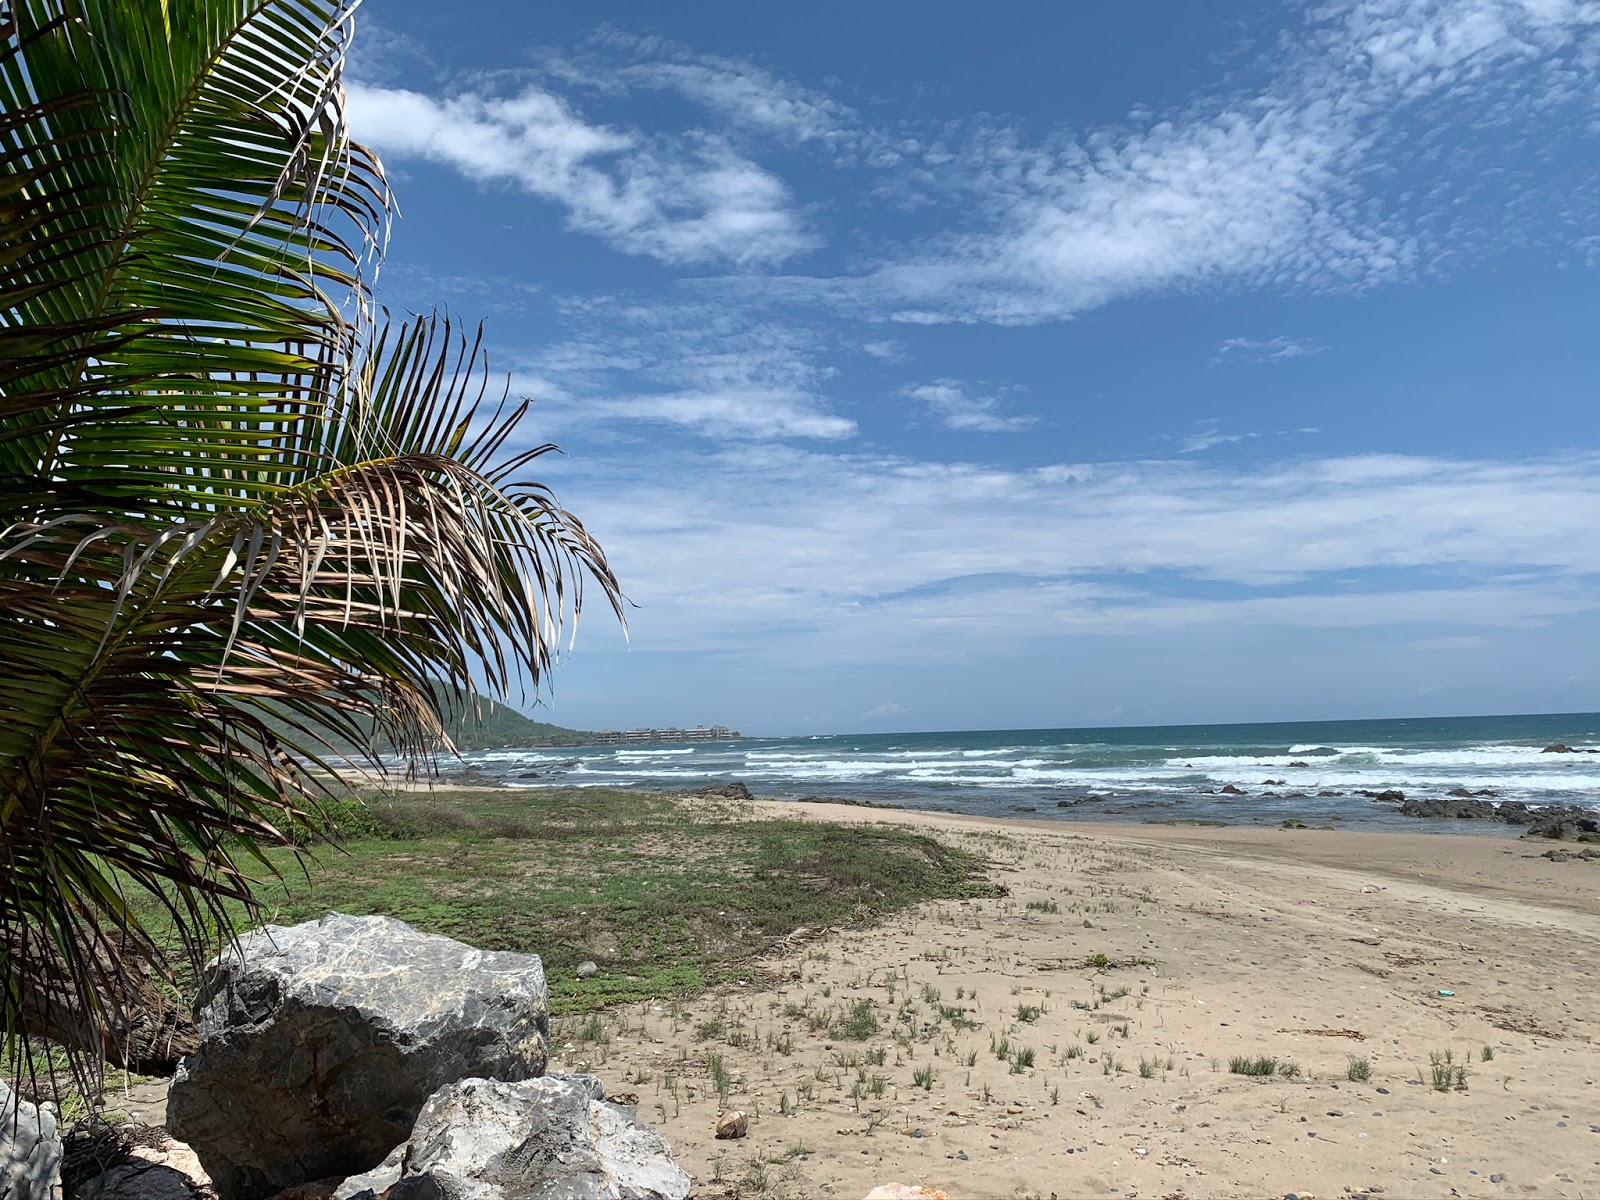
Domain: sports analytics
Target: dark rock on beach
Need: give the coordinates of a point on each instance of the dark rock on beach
(1231, 790)
(727, 791)
(1480, 810)
(845, 800)
(1587, 854)
(1565, 823)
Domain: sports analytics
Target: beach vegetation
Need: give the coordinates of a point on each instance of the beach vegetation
(244, 520)
(1261, 1065)
(1029, 1013)
(1043, 906)
(859, 1022)
(1359, 1070)
(1445, 1073)
(923, 1077)
(1486, 1054)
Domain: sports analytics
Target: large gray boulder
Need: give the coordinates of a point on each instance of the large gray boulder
(30, 1149)
(320, 1043)
(543, 1139)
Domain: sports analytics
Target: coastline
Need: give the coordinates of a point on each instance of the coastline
(1316, 948)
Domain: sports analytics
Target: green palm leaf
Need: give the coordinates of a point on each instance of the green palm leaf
(230, 500)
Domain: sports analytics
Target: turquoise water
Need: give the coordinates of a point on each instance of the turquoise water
(1169, 772)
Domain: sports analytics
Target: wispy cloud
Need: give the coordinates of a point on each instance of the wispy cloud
(957, 406)
(1278, 188)
(1271, 350)
(887, 709)
(688, 197)
(740, 93)
(821, 540)
(1207, 436)
(713, 371)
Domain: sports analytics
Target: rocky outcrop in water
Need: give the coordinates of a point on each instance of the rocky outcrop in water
(556, 1136)
(1479, 810)
(321, 1042)
(1558, 822)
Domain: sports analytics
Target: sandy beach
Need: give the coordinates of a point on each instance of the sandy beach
(1076, 1036)
(1320, 949)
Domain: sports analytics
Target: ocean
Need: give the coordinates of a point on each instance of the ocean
(1149, 773)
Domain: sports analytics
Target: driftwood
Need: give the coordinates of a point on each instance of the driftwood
(133, 1023)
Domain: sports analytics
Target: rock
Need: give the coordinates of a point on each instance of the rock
(320, 1044)
(733, 1124)
(30, 1149)
(1514, 812)
(727, 791)
(1391, 796)
(1329, 793)
(587, 970)
(1273, 782)
(904, 1191)
(1298, 763)
(138, 1180)
(1564, 823)
(1481, 810)
(1558, 748)
(478, 1139)
(1231, 790)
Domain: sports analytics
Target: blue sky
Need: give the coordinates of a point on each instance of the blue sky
(929, 366)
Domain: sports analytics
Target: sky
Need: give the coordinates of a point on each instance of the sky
(1018, 365)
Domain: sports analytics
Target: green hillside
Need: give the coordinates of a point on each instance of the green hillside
(501, 725)
(492, 726)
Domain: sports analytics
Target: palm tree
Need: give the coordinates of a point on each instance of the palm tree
(233, 500)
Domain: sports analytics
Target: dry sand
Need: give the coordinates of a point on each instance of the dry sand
(1308, 946)
(1303, 945)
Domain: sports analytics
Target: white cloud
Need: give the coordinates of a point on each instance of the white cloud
(958, 408)
(1208, 436)
(865, 558)
(711, 370)
(888, 709)
(723, 414)
(1271, 350)
(1278, 189)
(686, 198)
(885, 351)
(737, 90)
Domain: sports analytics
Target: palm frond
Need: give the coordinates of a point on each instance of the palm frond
(231, 502)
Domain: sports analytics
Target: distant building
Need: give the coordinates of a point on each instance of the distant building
(613, 737)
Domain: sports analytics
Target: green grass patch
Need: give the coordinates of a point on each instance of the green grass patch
(1261, 1065)
(668, 897)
